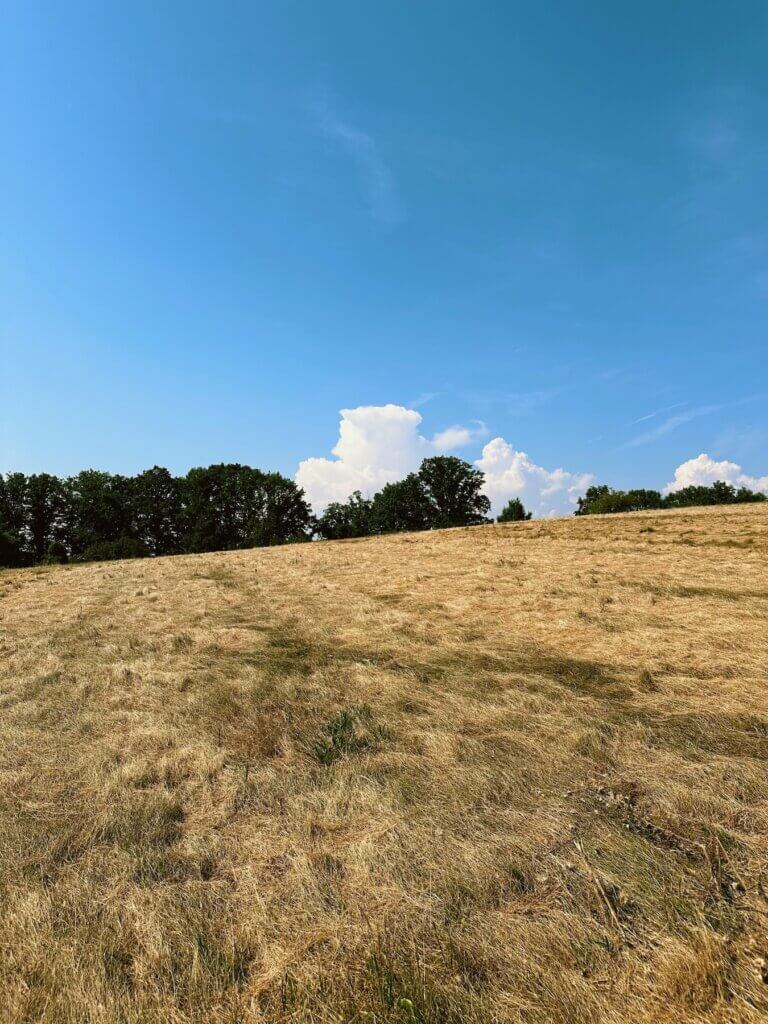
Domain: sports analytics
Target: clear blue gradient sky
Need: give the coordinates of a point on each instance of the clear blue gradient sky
(222, 223)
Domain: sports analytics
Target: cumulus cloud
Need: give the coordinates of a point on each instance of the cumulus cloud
(704, 470)
(381, 443)
(511, 474)
(457, 437)
(377, 445)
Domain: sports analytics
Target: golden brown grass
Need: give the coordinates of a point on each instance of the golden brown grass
(510, 773)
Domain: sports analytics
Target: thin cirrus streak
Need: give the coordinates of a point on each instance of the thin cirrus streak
(658, 412)
(673, 422)
(374, 175)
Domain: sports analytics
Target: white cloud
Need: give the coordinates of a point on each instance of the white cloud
(658, 412)
(511, 474)
(704, 470)
(457, 437)
(377, 444)
(381, 443)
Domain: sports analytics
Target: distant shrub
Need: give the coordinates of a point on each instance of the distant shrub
(601, 499)
(342, 520)
(112, 550)
(56, 553)
(513, 512)
(718, 493)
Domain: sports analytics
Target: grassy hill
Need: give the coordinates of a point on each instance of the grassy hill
(509, 773)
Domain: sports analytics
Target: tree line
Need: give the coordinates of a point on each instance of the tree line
(97, 516)
(601, 499)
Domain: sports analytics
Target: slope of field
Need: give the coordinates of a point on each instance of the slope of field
(509, 773)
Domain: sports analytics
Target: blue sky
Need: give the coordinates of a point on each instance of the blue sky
(545, 222)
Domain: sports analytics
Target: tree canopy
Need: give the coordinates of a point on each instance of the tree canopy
(601, 499)
(342, 520)
(95, 515)
(513, 512)
(453, 492)
(445, 492)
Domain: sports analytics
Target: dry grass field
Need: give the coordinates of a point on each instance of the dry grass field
(511, 773)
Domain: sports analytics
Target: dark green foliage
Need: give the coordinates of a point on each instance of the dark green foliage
(453, 491)
(12, 518)
(400, 506)
(594, 494)
(233, 506)
(11, 555)
(513, 512)
(57, 553)
(745, 495)
(45, 508)
(352, 518)
(100, 516)
(639, 499)
(283, 515)
(99, 509)
(216, 508)
(12, 494)
(445, 492)
(97, 516)
(156, 503)
(603, 499)
(111, 550)
(719, 493)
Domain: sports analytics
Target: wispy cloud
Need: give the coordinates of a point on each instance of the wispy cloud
(614, 373)
(423, 399)
(719, 131)
(743, 442)
(673, 422)
(513, 402)
(728, 161)
(374, 175)
(658, 412)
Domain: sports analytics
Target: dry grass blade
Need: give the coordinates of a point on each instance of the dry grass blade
(506, 774)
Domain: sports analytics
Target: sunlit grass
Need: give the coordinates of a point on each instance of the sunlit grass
(510, 773)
